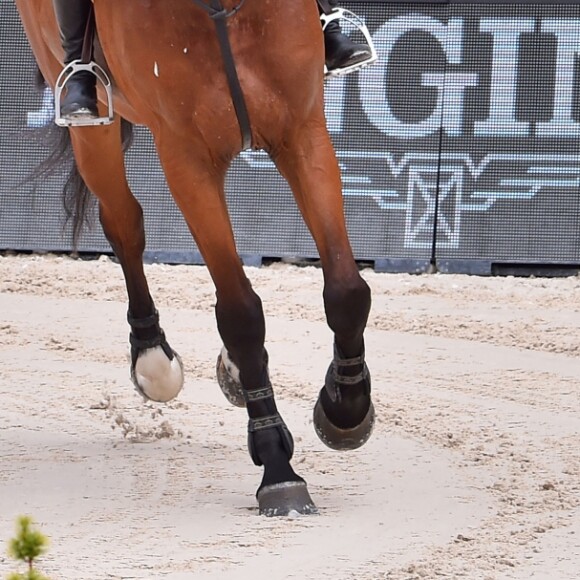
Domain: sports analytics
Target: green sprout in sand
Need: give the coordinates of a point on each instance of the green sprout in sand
(27, 546)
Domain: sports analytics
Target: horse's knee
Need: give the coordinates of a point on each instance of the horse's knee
(347, 304)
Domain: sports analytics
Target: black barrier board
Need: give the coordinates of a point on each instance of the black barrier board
(498, 87)
(510, 157)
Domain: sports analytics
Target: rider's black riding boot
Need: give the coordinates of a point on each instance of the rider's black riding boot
(80, 99)
(341, 51)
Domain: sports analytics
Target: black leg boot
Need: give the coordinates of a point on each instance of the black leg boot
(341, 51)
(80, 99)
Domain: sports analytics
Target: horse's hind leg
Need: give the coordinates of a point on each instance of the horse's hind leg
(344, 413)
(156, 370)
(197, 186)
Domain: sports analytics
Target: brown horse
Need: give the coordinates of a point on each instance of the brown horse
(168, 74)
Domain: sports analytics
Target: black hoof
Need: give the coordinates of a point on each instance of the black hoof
(285, 499)
(230, 386)
(342, 439)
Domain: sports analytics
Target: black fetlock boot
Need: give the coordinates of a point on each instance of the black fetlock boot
(80, 99)
(340, 51)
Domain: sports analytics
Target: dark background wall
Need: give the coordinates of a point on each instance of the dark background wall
(471, 116)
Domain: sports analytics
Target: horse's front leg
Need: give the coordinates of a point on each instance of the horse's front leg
(156, 370)
(241, 326)
(344, 414)
(197, 186)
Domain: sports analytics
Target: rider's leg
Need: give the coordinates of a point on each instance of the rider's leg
(340, 50)
(80, 99)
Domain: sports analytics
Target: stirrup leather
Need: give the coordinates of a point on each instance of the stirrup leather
(358, 23)
(69, 70)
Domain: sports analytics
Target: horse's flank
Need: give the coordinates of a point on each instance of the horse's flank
(160, 54)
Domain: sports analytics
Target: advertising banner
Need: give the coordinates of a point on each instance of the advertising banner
(461, 147)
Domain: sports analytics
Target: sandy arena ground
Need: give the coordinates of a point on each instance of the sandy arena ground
(473, 470)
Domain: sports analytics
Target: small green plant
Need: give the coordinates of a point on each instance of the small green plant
(27, 546)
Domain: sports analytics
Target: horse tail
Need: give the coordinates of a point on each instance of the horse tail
(77, 200)
(76, 197)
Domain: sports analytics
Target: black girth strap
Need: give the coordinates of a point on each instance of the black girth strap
(219, 15)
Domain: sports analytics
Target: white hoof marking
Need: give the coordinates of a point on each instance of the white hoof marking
(232, 369)
(159, 378)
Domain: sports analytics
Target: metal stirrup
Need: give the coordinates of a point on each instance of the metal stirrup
(359, 24)
(63, 78)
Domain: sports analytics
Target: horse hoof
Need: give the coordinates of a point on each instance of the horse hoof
(285, 499)
(228, 377)
(342, 439)
(156, 377)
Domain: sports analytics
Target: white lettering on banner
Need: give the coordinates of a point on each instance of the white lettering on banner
(45, 114)
(452, 86)
(448, 111)
(334, 104)
(372, 80)
(506, 34)
(568, 34)
(458, 183)
(465, 185)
